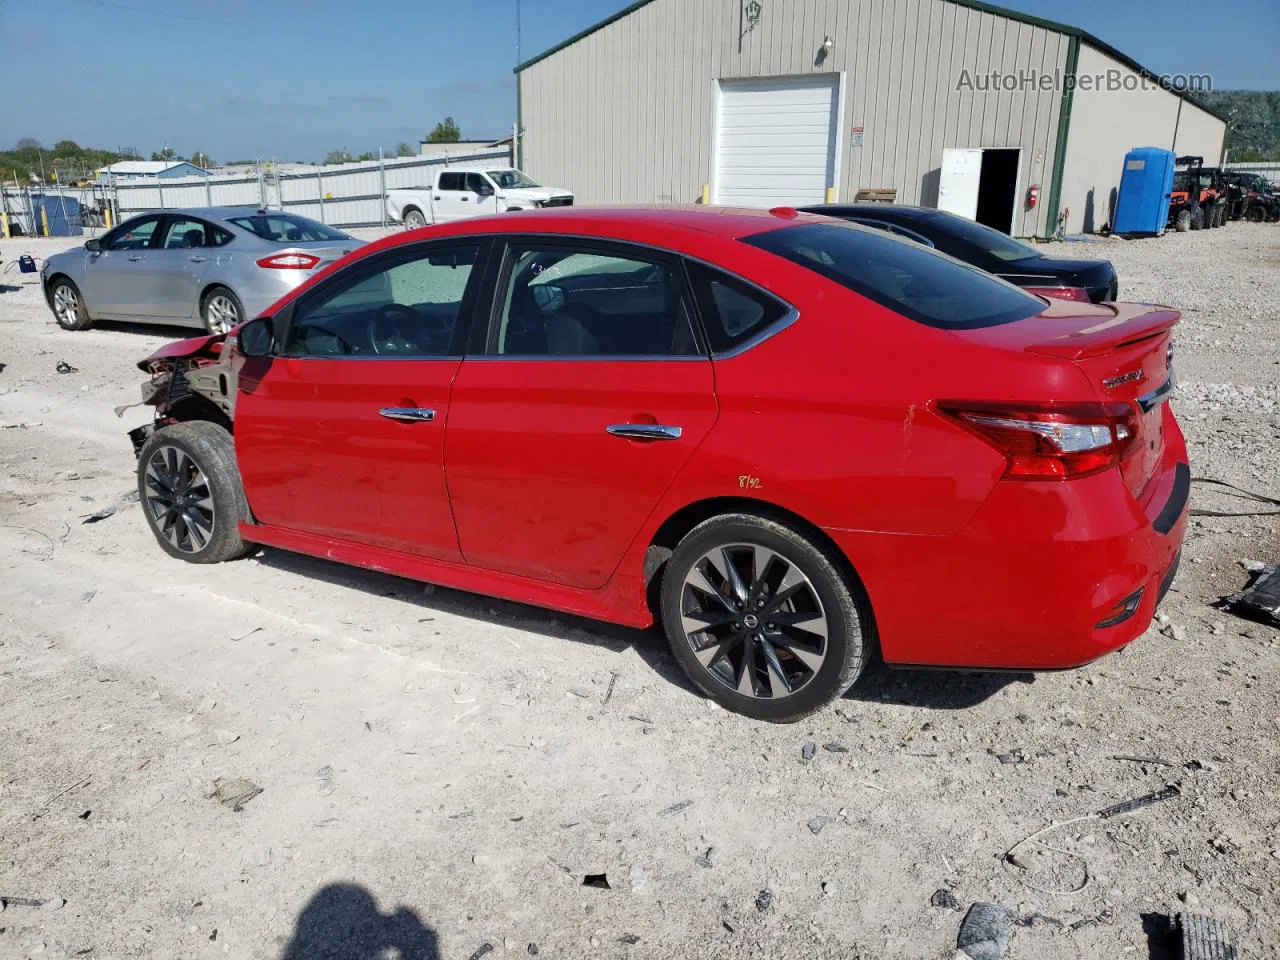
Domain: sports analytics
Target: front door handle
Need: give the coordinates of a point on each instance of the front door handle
(196, 259)
(645, 431)
(136, 257)
(408, 414)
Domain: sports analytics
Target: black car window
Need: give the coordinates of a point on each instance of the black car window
(570, 302)
(450, 181)
(184, 233)
(405, 306)
(963, 239)
(220, 237)
(134, 235)
(732, 311)
(477, 184)
(901, 275)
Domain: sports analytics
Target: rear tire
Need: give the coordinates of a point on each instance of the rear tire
(1255, 214)
(1197, 218)
(786, 632)
(68, 306)
(190, 490)
(413, 219)
(221, 310)
(1182, 223)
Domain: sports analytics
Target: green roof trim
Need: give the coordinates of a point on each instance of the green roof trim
(1054, 25)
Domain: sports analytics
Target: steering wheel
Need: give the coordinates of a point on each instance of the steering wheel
(388, 314)
(343, 342)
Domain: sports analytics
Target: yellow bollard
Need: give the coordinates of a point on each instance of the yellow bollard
(107, 211)
(706, 194)
(44, 221)
(4, 221)
(831, 194)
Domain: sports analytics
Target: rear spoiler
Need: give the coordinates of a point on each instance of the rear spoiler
(1130, 323)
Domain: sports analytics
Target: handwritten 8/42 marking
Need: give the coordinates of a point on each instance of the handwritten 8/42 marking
(748, 482)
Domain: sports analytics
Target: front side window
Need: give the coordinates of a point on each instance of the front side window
(407, 307)
(286, 228)
(905, 277)
(511, 179)
(478, 185)
(565, 302)
(184, 233)
(134, 236)
(732, 311)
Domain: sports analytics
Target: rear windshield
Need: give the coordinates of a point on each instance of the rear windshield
(909, 279)
(286, 228)
(954, 232)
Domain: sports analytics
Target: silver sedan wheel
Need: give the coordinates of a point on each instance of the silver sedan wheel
(754, 620)
(66, 305)
(413, 219)
(179, 499)
(221, 313)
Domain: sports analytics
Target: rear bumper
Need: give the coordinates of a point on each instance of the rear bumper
(1026, 585)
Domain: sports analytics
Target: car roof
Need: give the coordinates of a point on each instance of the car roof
(730, 222)
(884, 211)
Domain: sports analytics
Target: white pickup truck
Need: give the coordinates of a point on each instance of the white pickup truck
(458, 194)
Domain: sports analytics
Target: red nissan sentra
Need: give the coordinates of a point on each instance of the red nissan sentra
(794, 441)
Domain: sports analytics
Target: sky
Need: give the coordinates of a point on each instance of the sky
(294, 79)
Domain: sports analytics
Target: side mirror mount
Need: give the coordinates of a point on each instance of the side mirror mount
(254, 338)
(484, 189)
(93, 246)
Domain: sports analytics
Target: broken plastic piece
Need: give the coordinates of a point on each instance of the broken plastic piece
(1137, 803)
(598, 880)
(1260, 599)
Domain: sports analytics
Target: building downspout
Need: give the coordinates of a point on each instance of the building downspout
(1060, 145)
(519, 131)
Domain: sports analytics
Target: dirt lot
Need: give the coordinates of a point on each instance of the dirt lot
(440, 771)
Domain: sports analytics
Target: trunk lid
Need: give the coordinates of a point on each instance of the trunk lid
(1125, 352)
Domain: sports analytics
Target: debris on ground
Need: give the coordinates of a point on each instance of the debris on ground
(675, 808)
(112, 509)
(1191, 936)
(1036, 917)
(808, 750)
(944, 898)
(764, 901)
(484, 950)
(984, 932)
(234, 793)
(817, 823)
(1105, 917)
(1154, 760)
(1260, 598)
(704, 861)
(599, 881)
(64, 367)
(1137, 803)
(835, 746)
(630, 939)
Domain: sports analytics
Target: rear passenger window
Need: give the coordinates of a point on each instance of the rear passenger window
(451, 181)
(732, 311)
(564, 302)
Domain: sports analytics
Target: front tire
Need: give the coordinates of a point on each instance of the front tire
(762, 619)
(1182, 223)
(413, 219)
(221, 310)
(68, 306)
(191, 494)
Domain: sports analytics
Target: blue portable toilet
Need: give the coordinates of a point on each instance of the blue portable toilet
(1145, 184)
(62, 212)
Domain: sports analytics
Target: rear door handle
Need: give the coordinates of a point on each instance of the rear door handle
(408, 414)
(645, 431)
(196, 259)
(136, 257)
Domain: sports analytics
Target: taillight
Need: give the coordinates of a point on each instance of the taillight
(1061, 293)
(289, 261)
(1051, 441)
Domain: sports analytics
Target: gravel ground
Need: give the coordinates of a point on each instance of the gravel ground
(441, 771)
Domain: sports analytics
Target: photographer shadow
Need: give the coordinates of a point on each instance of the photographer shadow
(342, 922)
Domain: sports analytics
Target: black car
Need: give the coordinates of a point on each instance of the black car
(987, 249)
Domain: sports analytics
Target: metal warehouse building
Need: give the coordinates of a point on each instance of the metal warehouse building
(790, 101)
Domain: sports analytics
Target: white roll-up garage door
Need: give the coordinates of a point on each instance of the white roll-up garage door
(776, 141)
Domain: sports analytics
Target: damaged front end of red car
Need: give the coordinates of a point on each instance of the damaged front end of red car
(191, 379)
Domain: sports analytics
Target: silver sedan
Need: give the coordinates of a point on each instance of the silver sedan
(210, 267)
